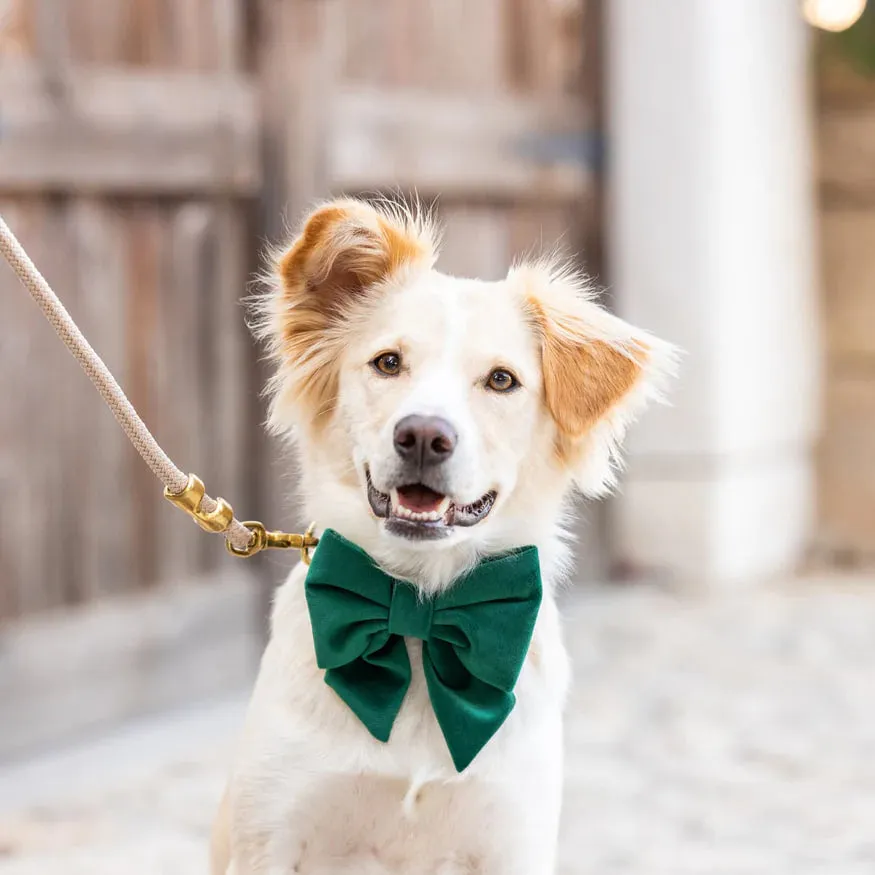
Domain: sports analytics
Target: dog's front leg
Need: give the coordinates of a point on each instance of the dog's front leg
(528, 839)
(269, 825)
(277, 854)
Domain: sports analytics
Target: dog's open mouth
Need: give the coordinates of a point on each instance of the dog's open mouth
(417, 511)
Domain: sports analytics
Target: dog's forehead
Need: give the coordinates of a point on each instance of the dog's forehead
(475, 310)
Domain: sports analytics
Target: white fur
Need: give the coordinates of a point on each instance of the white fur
(311, 791)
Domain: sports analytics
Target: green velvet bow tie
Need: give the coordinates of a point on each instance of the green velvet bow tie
(475, 639)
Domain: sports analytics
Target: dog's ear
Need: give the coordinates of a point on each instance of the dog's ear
(347, 246)
(599, 372)
(343, 253)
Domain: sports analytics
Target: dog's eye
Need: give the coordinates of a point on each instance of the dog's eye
(387, 363)
(501, 380)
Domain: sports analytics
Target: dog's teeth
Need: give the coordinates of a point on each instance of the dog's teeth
(402, 511)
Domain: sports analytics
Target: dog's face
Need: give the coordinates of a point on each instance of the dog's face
(441, 414)
(440, 391)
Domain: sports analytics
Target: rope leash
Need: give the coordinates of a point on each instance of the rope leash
(186, 491)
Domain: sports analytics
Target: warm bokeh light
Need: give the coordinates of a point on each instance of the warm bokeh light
(834, 15)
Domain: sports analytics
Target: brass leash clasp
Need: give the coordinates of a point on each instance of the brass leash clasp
(219, 519)
(265, 540)
(190, 500)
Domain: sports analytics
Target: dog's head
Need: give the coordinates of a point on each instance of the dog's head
(441, 417)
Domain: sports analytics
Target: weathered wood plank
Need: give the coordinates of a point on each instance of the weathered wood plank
(178, 383)
(846, 484)
(21, 502)
(52, 44)
(40, 388)
(229, 25)
(112, 130)
(183, 34)
(472, 149)
(847, 152)
(475, 241)
(145, 256)
(230, 376)
(405, 40)
(536, 230)
(535, 51)
(848, 256)
(106, 518)
(17, 30)
(150, 32)
(230, 358)
(65, 397)
(97, 30)
(366, 57)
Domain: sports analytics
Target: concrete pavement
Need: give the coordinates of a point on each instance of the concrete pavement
(720, 735)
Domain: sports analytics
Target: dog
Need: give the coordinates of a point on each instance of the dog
(439, 423)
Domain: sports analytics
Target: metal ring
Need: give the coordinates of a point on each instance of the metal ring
(258, 543)
(309, 541)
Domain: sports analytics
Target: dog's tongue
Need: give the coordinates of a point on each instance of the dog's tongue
(419, 498)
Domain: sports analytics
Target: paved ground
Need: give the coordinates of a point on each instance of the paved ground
(719, 736)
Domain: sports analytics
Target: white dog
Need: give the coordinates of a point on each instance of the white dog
(440, 423)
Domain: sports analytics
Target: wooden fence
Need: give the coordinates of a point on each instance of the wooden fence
(147, 147)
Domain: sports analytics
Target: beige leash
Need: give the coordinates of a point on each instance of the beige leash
(186, 491)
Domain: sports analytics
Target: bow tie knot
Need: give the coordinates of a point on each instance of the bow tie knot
(410, 615)
(475, 638)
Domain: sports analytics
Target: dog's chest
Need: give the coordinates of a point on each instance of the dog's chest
(309, 763)
(325, 725)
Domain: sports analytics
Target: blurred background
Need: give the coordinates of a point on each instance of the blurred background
(713, 164)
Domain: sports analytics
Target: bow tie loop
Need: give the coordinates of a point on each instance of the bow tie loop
(410, 614)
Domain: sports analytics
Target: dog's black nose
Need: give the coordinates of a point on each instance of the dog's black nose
(425, 440)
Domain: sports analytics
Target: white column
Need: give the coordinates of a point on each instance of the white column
(711, 246)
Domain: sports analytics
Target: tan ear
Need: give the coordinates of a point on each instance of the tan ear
(345, 250)
(585, 377)
(590, 360)
(347, 246)
(598, 370)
